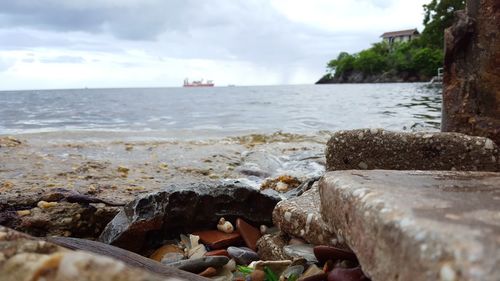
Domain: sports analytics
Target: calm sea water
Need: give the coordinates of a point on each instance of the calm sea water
(224, 110)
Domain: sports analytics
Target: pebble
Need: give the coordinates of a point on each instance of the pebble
(301, 251)
(23, 213)
(46, 205)
(166, 249)
(242, 255)
(225, 226)
(200, 264)
(257, 275)
(347, 274)
(209, 272)
(324, 253)
(249, 233)
(217, 240)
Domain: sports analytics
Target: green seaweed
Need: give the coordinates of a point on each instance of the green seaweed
(270, 276)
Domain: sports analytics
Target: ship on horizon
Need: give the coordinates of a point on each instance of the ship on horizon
(198, 83)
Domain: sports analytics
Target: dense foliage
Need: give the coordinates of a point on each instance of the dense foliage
(419, 58)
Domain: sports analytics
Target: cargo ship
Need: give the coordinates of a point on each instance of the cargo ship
(199, 83)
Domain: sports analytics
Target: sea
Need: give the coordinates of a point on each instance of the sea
(222, 111)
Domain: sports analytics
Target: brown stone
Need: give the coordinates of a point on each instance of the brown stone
(209, 272)
(325, 253)
(249, 233)
(257, 275)
(369, 149)
(165, 249)
(217, 239)
(471, 96)
(417, 225)
(221, 252)
(270, 247)
(300, 217)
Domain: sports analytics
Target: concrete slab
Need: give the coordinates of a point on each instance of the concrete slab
(417, 225)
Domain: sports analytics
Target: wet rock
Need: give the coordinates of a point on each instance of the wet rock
(200, 264)
(369, 149)
(300, 217)
(347, 274)
(167, 249)
(215, 239)
(325, 253)
(417, 225)
(184, 209)
(305, 251)
(26, 258)
(220, 252)
(249, 233)
(471, 84)
(242, 255)
(270, 247)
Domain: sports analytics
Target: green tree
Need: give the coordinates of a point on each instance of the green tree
(370, 62)
(439, 15)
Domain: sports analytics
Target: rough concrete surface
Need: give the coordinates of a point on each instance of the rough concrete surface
(369, 149)
(417, 225)
(300, 217)
(471, 84)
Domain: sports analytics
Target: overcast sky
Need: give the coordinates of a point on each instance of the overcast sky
(156, 43)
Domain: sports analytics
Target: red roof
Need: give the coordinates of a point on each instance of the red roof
(400, 33)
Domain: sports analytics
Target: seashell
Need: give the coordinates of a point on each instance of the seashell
(225, 226)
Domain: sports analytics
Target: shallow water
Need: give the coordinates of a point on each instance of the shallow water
(223, 111)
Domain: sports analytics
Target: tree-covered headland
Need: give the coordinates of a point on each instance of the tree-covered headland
(415, 60)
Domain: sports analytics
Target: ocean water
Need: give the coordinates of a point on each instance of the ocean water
(223, 110)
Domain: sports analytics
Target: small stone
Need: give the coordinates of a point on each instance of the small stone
(324, 253)
(257, 275)
(291, 271)
(123, 171)
(347, 274)
(45, 205)
(230, 265)
(270, 247)
(263, 229)
(249, 233)
(217, 240)
(363, 165)
(169, 258)
(301, 251)
(23, 213)
(225, 226)
(276, 266)
(200, 264)
(197, 252)
(312, 270)
(242, 255)
(165, 249)
(220, 252)
(209, 272)
(447, 273)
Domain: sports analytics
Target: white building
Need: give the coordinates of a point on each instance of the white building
(400, 36)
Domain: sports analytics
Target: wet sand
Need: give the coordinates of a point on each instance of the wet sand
(117, 167)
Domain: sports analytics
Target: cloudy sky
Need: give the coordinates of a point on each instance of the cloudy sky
(156, 43)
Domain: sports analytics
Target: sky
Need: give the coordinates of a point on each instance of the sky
(52, 44)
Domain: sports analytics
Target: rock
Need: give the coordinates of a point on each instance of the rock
(217, 240)
(200, 264)
(165, 250)
(415, 225)
(347, 274)
(471, 84)
(369, 149)
(197, 251)
(301, 251)
(325, 253)
(257, 275)
(300, 217)
(249, 233)
(282, 183)
(220, 252)
(184, 209)
(26, 258)
(242, 255)
(291, 271)
(171, 258)
(313, 273)
(270, 247)
(278, 267)
(209, 272)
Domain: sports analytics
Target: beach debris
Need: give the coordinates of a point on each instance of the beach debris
(282, 183)
(225, 226)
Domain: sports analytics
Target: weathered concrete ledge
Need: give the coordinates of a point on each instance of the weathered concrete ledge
(369, 149)
(417, 225)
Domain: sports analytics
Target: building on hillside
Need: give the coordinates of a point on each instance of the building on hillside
(400, 36)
